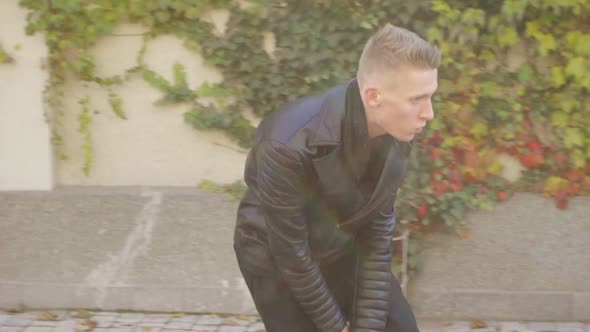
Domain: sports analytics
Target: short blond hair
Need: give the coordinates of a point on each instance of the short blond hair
(391, 46)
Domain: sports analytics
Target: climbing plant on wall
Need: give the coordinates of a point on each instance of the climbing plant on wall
(4, 56)
(514, 81)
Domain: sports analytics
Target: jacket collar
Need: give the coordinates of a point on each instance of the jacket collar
(328, 130)
(332, 170)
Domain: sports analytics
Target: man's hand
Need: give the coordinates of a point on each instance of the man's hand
(346, 327)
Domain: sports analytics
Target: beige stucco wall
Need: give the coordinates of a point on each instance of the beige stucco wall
(25, 151)
(154, 146)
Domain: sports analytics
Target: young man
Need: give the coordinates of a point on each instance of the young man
(314, 231)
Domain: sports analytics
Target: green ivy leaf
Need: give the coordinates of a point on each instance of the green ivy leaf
(583, 45)
(578, 159)
(479, 130)
(577, 67)
(525, 73)
(560, 119)
(508, 38)
(533, 29)
(558, 75)
(573, 138)
(179, 76)
(116, 105)
(163, 16)
(547, 44)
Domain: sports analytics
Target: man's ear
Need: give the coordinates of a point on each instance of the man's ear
(373, 97)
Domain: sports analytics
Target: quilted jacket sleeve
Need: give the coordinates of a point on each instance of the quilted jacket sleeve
(280, 177)
(372, 299)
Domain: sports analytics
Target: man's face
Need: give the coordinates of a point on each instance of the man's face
(405, 105)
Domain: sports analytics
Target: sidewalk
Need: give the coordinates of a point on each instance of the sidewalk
(96, 321)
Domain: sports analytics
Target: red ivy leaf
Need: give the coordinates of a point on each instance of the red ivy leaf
(422, 211)
(533, 145)
(532, 160)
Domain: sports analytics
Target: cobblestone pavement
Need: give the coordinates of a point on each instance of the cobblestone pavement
(98, 321)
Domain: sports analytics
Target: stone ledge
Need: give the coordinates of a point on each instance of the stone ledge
(35, 295)
(500, 305)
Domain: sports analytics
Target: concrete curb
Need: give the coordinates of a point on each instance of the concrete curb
(132, 298)
(501, 305)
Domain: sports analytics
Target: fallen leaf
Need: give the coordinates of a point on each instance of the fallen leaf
(463, 233)
(478, 324)
(47, 316)
(85, 325)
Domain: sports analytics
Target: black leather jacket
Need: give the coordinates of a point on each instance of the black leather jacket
(303, 208)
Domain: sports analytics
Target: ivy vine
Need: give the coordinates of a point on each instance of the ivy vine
(4, 56)
(514, 80)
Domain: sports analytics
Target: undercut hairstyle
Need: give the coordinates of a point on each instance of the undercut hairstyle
(392, 46)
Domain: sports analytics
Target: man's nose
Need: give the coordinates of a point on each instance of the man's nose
(427, 113)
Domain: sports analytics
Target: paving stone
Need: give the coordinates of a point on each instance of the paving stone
(570, 327)
(185, 319)
(123, 324)
(151, 324)
(66, 325)
(29, 314)
(178, 325)
(542, 327)
(11, 328)
(209, 320)
(105, 318)
(3, 317)
(490, 326)
(156, 318)
(130, 318)
(147, 329)
(233, 321)
(46, 323)
(226, 328)
(105, 324)
(18, 320)
(62, 329)
(120, 329)
(38, 329)
(204, 328)
(257, 327)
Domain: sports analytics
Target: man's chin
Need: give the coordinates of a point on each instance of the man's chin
(405, 138)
